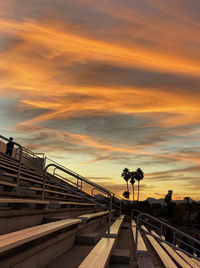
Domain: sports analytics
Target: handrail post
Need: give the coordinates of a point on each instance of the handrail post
(174, 234)
(54, 171)
(44, 183)
(110, 216)
(19, 168)
(81, 185)
(161, 230)
(120, 207)
(92, 191)
(136, 239)
(44, 162)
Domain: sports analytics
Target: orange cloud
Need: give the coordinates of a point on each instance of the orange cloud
(58, 42)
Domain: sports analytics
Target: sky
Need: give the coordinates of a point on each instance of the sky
(103, 85)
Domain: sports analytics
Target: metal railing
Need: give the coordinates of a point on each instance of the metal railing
(105, 200)
(179, 237)
(31, 158)
(78, 185)
(21, 153)
(19, 160)
(69, 172)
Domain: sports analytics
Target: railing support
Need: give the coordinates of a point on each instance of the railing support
(175, 231)
(110, 215)
(19, 168)
(136, 240)
(101, 189)
(44, 183)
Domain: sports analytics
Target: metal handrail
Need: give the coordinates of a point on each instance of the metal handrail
(175, 230)
(65, 179)
(20, 160)
(134, 210)
(33, 155)
(79, 177)
(65, 170)
(114, 205)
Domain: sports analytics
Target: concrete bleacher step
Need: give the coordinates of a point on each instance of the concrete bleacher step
(29, 189)
(17, 203)
(100, 254)
(87, 239)
(28, 176)
(161, 253)
(27, 247)
(11, 240)
(188, 259)
(171, 252)
(145, 262)
(143, 258)
(180, 261)
(115, 227)
(141, 247)
(87, 217)
(120, 256)
(179, 257)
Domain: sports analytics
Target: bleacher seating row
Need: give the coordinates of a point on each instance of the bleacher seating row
(22, 246)
(169, 257)
(100, 255)
(13, 244)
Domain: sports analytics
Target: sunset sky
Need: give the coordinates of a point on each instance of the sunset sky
(102, 85)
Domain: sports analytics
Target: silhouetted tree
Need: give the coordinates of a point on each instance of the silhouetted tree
(139, 176)
(132, 181)
(168, 197)
(126, 194)
(170, 204)
(187, 205)
(126, 176)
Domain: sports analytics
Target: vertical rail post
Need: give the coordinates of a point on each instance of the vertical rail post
(120, 207)
(44, 162)
(161, 230)
(44, 183)
(131, 215)
(110, 215)
(174, 234)
(136, 239)
(19, 168)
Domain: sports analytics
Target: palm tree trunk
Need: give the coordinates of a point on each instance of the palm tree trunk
(133, 192)
(127, 186)
(138, 190)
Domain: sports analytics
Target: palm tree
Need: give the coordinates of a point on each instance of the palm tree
(126, 194)
(132, 181)
(139, 176)
(126, 176)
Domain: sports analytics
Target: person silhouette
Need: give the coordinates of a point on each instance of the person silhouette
(9, 146)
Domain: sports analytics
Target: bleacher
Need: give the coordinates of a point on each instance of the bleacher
(40, 214)
(151, 242)
(47, 220)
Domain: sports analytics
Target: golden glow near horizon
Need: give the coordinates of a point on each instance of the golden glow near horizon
(103, 86)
